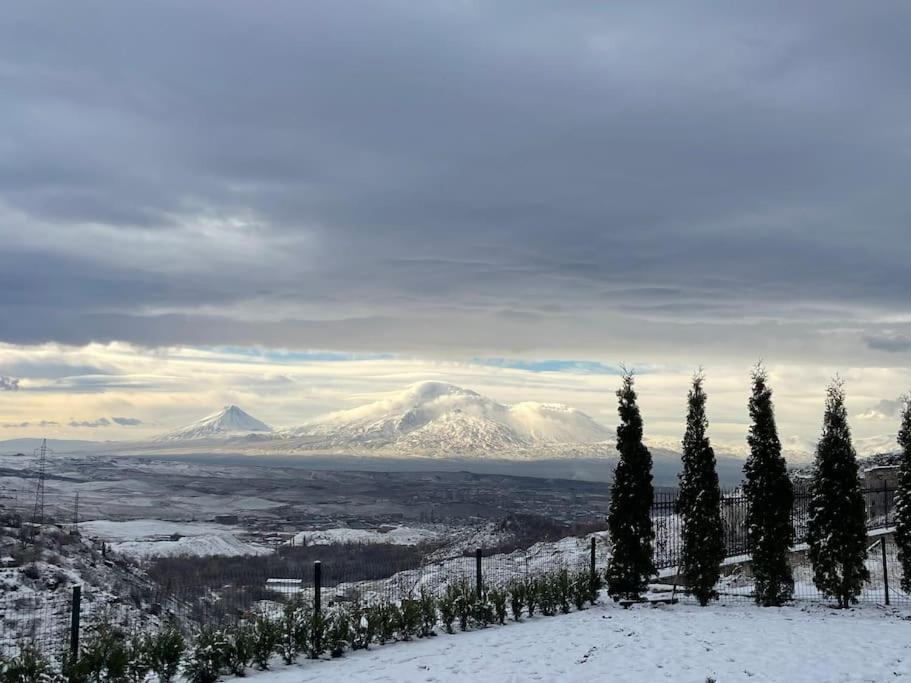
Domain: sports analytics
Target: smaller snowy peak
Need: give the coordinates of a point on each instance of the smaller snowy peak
(228, 422)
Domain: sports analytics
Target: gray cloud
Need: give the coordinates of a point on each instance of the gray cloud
(127, 421)
(100, 422)
(884, 410)
(455, 177)
(890, 341)
(8, 383)
(22, 425)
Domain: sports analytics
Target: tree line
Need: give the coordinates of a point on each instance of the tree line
(836, 527)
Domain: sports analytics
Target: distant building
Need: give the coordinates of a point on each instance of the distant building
(225, 519)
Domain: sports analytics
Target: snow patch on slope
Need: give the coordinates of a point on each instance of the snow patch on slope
(402, 535)
(145, 538)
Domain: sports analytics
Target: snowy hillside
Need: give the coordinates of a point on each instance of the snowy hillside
(230, 421)
(437, 418)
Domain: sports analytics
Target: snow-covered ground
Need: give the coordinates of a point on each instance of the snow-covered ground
(400, 535)
(671, 643)
(144, 538)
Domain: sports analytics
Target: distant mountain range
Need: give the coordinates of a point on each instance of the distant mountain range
(427, 419)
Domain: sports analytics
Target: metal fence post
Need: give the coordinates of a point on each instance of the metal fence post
(882, 545)
(317, 586)
(885, 503)
(594, 572)
(75, 610)
(478, 577)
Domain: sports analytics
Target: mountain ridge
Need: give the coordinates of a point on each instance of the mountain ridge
(437, 418)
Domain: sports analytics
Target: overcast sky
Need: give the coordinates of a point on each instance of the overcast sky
(462, 190)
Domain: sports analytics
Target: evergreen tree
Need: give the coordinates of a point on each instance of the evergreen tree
(903, 498)
(836, 528)
(699, 503)
(770, 498)
(629, 519)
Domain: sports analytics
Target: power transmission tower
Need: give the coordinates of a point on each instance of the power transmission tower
(38, 512)
(76, 515)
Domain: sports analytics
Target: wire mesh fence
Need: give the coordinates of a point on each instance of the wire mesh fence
(219, 591)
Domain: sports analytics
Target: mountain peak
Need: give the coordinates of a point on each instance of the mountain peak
(229, 421)
(436, 418)
(428, 390)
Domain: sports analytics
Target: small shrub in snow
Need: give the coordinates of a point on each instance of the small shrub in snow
(294, 631)
(409, 616)
(448, 611)
(580, 589)
(139, 662)
(564, 588)
(428, 614)
(532, 596)
(595, 583)
(498, 599)
(546, 593)
(28, 667)
(316, 645)
(104, 657)
(385, 617)
(165, 648)
(464, 605)
(517, 597)
(206, 658)
(239, 646)
(264, 639)
(482, 611)
(338, 631)
(361, 630)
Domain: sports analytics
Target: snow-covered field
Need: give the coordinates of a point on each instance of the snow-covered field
(400, 535)
(672, 643)
(145, 538)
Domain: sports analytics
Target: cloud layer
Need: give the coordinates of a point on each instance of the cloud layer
(516, 196)
(459, 179)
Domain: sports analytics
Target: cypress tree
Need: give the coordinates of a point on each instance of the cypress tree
(770, 498)
(903, 498)
(836, 527)
(629, 519)
(699, 502)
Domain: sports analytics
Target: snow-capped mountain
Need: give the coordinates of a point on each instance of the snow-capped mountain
(230, 421)
(436, 418)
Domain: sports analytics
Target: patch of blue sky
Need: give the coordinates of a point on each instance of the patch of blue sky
(585, 367)
(284, 356)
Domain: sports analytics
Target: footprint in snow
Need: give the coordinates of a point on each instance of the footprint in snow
(588, 654)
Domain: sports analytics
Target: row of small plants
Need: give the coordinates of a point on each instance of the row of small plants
(111, 656)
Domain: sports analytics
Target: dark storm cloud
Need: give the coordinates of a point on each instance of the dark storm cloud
(451, 176)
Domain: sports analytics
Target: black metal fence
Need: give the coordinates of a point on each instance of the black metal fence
(191, 592)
